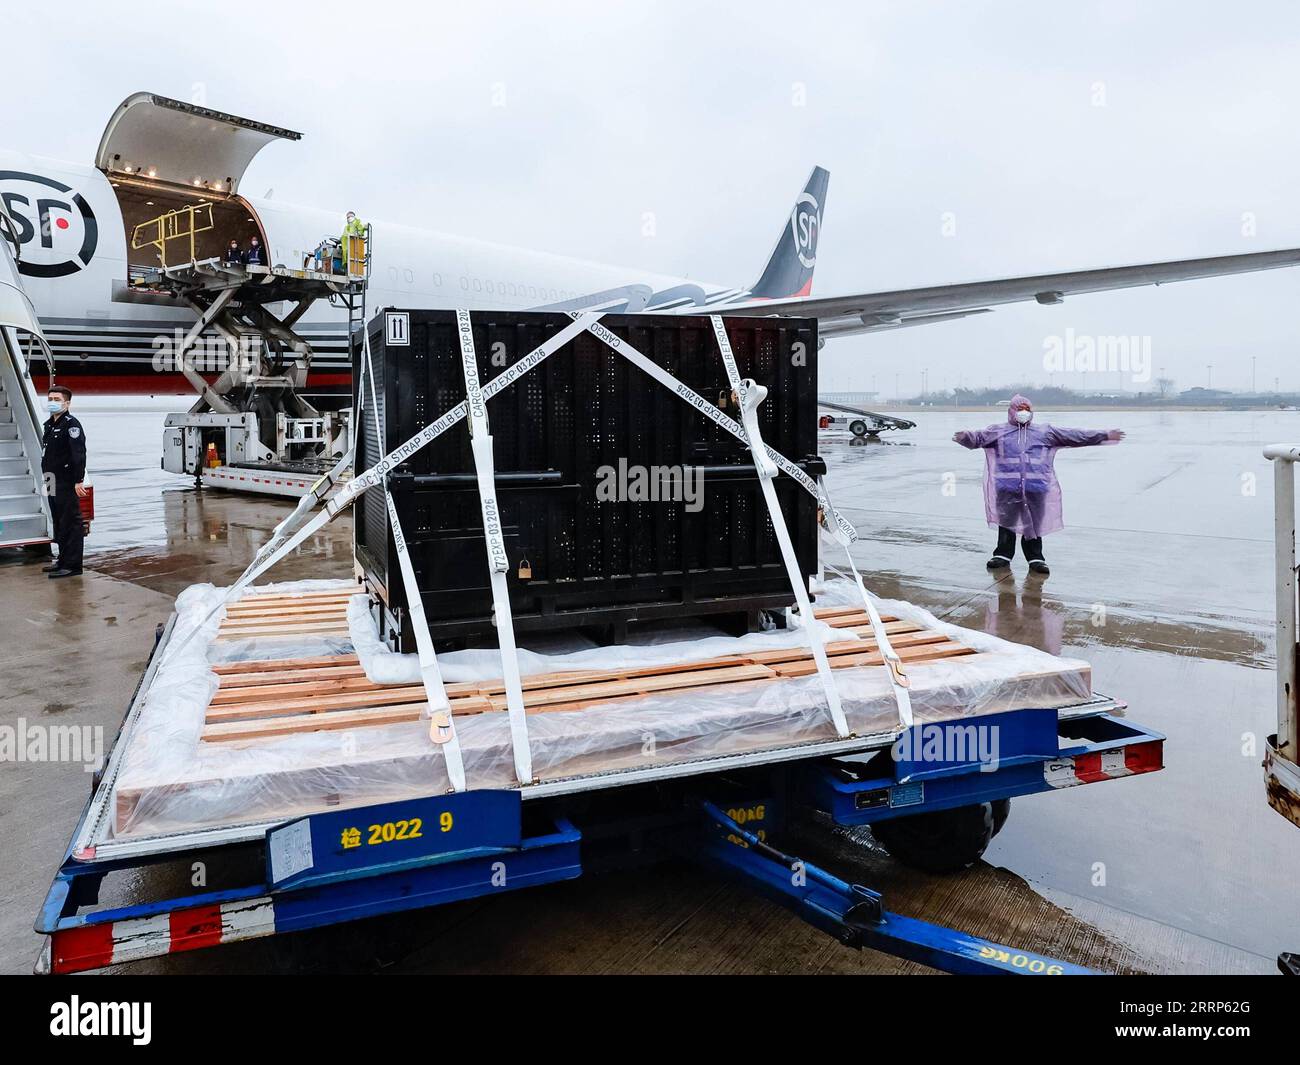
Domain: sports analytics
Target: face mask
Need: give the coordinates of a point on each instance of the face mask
(1023, 416)
(54, 406)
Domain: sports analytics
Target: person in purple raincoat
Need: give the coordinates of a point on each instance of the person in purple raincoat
(1021, 493)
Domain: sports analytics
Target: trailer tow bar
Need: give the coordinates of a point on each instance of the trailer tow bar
(855, 915)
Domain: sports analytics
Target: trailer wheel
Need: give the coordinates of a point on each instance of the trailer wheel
(946, 841)
(858, 427)
(1001, 810)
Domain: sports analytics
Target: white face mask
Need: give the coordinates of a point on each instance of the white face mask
(1023, 416)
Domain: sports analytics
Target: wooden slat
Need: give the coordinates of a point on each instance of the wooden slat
(849, 621)
(342, 701)
(336, 685)
(310, 629)
(911, 655)
(593, 676)
(280, 726)
(282, 612)
(223, 669)
(289, 676)
(825, 613)
(266, 711)
(291, 602)
(733, 687)
(298, 597)
(846, 647)
(226, 696)
(279, 628)
(285, 613)
(561, 678)
(617, 689)
(263, 609)
(920, 655)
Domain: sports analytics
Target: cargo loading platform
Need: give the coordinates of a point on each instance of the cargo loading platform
(252, 428)
(737, 799)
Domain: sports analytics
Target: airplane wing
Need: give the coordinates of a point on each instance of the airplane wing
(870, 312)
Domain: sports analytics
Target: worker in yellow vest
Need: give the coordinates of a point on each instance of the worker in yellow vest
(353, 243)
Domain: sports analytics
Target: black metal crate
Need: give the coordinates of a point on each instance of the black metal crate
(559, 434)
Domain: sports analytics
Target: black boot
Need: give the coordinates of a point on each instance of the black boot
(1004, 550)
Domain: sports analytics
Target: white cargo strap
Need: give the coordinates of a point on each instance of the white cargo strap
(750, 396)
(315, 494)
(498, 563)
(898, 679)
(711, 411)
(442, 728)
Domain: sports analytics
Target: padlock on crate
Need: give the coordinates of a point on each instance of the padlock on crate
(525, 570)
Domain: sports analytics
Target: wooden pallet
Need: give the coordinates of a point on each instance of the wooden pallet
(286, 696)
(304, 614)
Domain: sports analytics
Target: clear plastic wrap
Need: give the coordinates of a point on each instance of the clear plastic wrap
(172, 781)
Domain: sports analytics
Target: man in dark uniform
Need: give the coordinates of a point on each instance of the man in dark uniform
(256, 254)
(63, 461)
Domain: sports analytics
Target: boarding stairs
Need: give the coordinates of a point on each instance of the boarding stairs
(24, 508)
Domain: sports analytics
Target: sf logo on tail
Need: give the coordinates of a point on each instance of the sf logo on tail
(57, 231)
(805, 224)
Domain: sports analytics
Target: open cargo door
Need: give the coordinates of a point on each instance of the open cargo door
(24, 508)
(184, 144)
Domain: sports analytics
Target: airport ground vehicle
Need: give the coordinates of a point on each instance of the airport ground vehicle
(727, 814)
(1282, 776)
(251, 429)
(861, 423)
(722, 806)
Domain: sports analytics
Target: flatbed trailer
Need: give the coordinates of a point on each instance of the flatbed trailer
(725, 814)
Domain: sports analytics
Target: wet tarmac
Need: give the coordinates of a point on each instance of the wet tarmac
(1162, 580)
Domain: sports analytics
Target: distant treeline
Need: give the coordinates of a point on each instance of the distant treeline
(1055, 396)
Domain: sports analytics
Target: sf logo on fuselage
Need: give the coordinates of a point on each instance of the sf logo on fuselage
(805, 224)
(57, 232)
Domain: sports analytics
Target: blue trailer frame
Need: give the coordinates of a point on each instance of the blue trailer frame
(348, 864)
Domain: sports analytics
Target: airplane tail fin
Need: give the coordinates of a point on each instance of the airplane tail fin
(789, 270)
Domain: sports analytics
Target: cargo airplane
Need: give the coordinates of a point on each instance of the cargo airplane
(72, 226)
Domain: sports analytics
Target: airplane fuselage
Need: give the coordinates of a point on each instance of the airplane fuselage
(75, 224)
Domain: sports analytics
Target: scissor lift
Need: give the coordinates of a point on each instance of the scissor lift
(265, 435)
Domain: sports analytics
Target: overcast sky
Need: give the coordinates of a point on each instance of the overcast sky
(1050, 135)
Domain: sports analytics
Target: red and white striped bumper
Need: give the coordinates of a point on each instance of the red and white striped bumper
(1124, 761)
(94, 946)
(263, 482)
